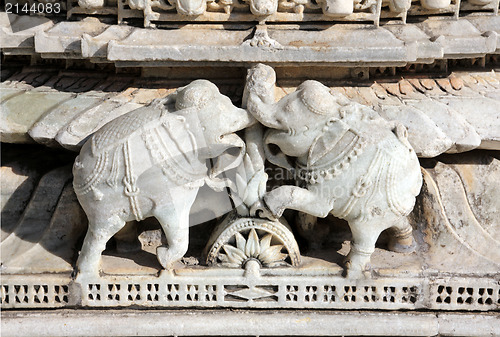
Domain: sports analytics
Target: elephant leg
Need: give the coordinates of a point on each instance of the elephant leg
(98, 234)
(401, 240)
(300, 199)
(177, 233)
(174, 221)
(364, 237)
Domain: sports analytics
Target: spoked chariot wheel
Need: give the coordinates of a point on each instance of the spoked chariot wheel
(238, 240)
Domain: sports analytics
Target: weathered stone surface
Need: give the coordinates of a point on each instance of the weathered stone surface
(425, 136)
(45, 130)
(483, 115)
(97, 46)
(487, 24)
(17, 184)
(443, 129)
(426, 48)
(54, 248)
(340, 43)
(18, 31)
(184, 323)
(20, 112)
(462, 135)
(457, 36)
(73, 135)
(423, 42)
(455, 219)
(36, 217)
(6, 93)
(65, 37)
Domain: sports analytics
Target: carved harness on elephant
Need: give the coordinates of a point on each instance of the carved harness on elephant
(173, 145)
(169, 141)
(343, 148)
(384, 171)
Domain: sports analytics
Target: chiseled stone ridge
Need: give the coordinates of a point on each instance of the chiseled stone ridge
(351, 44)
(441, 114)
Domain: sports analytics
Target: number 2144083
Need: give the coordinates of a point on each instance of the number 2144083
(27, 8)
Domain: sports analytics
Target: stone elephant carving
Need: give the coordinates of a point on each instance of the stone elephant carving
(151, 162)
(347, 161)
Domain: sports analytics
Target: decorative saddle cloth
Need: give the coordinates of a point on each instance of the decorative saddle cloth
(171, 142)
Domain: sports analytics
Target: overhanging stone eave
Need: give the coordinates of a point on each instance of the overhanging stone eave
(331, 55)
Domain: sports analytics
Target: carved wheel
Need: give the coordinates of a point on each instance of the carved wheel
(237, 241)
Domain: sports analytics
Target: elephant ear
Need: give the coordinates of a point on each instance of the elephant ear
(332, 142)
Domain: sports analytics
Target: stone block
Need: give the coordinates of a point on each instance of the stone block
(460, 39)
(18, 31)
(486, 122)
(73, 135)
(487, 24)
(17, 184)
(36, 218)
(97, 46)
(427, 50)
(65, 37)
(47, 127)
(340, 43)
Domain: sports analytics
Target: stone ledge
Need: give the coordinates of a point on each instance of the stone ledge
(391, 44)
(245, 322)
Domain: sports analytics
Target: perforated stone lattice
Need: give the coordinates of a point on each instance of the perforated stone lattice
(34, 295)
(260, 292)
(456, 296)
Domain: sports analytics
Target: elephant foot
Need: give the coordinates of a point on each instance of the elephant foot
(357, 265)
(402, 245)
(402, 240)
(86, 271)
(357, 274)
(166, 258)
(275, 205)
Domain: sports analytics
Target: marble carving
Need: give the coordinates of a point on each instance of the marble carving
(151, 162)
(346, 160)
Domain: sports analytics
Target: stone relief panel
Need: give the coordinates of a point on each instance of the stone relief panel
(275, 10)
(344, 163)
(151, 162)
(248, 258)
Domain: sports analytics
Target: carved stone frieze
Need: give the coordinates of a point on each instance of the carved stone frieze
(254, 261)
(188, 167)
(152, 11)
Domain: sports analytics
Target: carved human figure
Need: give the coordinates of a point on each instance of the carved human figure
(151, 162)
(347, 160)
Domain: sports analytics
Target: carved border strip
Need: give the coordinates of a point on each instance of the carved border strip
(284, 292)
